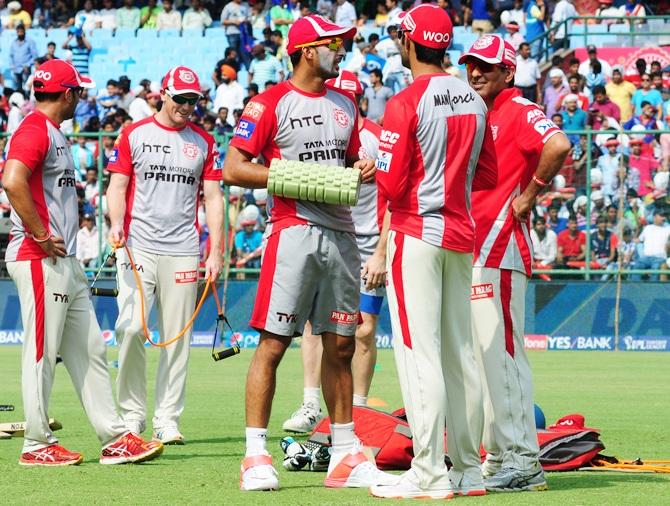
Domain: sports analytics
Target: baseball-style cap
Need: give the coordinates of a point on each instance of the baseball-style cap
(315, 27)
(181, 81)
(56, 76)
(591, 49)
(347, 81)
(491, 49)
(428, 25)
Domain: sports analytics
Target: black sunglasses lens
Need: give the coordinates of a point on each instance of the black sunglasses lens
(183, 100)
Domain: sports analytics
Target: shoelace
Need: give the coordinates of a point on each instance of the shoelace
(55, 451)
(306, 410)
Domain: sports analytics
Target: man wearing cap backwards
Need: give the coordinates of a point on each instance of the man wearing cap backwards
(434, 149)
(530, 149)
(57, 314)
(159, 166)
(311, 266)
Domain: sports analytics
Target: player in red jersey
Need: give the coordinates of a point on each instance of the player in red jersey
(57, 313)
(530, 149)
(435, 148)
(311, 266)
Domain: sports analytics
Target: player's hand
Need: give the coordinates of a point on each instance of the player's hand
(213, 266)
(521, 207)
(116, 236)
(54, 247)
(367, 168)
(374, 271)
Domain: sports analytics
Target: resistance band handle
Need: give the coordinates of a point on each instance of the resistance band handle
(6, 407)
(104, 292)
(228, 352)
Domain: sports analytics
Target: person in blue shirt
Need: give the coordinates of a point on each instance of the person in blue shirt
(647, 94)
(535, 15)
(248, 245)
(85, 110)
(22, 54)
(574, 118)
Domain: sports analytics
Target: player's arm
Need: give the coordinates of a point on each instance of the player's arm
(214, 218)
(15, 183)
(116, 203)
(239, 170)
(374, 270)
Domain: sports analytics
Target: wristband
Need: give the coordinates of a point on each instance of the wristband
(43, 239)
(539, 182)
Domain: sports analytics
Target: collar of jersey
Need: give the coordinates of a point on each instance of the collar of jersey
(165, 127)
(40, 113)
(504, 96)
(290, 84)
(431, 75)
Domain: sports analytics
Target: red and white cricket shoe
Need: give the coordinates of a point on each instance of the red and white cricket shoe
(356, 471)
(52, 456)
(130, 449)
(257, 473)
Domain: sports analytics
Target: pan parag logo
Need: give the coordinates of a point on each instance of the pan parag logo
(11, 337)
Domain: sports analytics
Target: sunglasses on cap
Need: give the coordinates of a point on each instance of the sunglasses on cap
(482, 66)
(181, 99)
(334, 44)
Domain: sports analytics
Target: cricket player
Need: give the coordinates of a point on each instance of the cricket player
(368, 216)
(56, 310)
(159, 167)
(530, 150)
(311, 266)
(435, 147)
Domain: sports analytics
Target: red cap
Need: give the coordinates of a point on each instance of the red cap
(429, 26)
(180, 81)
(56, 76)
(312, 28)
(635, 142)
(347, 81)
(491, 49)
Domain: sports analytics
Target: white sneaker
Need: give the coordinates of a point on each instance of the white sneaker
(257, 473)
(464, 485)
(169, 436)
(356, 471)
(515, 480)
(304, 420)
(136, 426)
(405, 489)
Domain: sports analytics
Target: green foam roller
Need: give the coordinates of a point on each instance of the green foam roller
(313, 182)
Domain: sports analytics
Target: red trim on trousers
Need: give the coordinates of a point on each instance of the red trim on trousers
(37, 277)
(396, 272)
(506, 302)
(259, 316)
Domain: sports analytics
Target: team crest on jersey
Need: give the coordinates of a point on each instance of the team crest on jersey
(341, 117)
(190, 151)
(494, 131)
(483, 42)
(187, 76)
(253, 110)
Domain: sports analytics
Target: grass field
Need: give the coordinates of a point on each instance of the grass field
(626, 395)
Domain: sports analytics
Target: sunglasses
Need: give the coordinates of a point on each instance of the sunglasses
(482, 66)
(181, 99)
(334, 44)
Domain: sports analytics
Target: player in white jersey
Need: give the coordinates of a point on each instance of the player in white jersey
(57, 314)
(311, 267)
(368, 216)
(159, 167)
(530, 150)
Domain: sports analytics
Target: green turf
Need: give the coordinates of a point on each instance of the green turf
(626, 395)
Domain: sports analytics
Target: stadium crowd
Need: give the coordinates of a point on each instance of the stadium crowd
(628, 173)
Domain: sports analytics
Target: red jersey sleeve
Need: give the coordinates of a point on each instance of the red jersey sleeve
(29, 145)
(534, 129)
(396, 149)
(486, 173)
(256, 128)
(121, 160)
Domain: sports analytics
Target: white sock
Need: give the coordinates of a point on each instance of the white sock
(343, 439)
(360, 400)
(256, 441)
(312, 396)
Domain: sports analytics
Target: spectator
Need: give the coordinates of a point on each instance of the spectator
(144, 104)
(229, 94)
(169, 18)
(232, 16)
(85, 110)
(603, 245)
(259, 16)
(554, 222)
(621, 93)
(51, 52)
(248, 243)
(107, 16)
(267, 41)
(654, 239)
(91, 183)
(605, 9)
(128, 16)
(108, 99)
(108, 143)
(449, 67)
(646, 119)
(627, 250)
(562, 12)
(575, 88)
(527, 77)
(22, 54)
(595, 77)
(587, 66)
(149, 15)
(282, 54)
(43, 17)
(573, 117)
(281, 16)
(394, 11)
(345, 14)
(514, 15)
(15, 115)
(536, 14)
(81, 49)
(645, 165)
(377, 95)
(609, 165)
(125, 95)
(553, 92)
(88, 244)
(87, 17)
(222, 125)
(264, 67)
(393, 71)
(197, 17)
(634, 9)
(83, 158)
(62, 14)
(545, 244)
(513, 36)
(448, 6)
(647, 94)
(481, 13)
(601, 108)
(382, 14)
(571, 244)
(17, 16)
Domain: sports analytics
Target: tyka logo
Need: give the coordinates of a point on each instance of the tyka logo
(61, 297)
(288, 318)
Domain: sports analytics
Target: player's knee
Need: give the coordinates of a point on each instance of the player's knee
(365, 336)
(342, 351)
(271, 351)
(129, 330)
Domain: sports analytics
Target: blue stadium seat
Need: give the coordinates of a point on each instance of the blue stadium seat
(58, 35)
(169, 33)
(101, 36)
(126, 34)
(192, 35)
(215, 34)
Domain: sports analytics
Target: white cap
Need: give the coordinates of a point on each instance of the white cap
(596, 178)
(579, 202)
(260, 195)
(661, 180)
(249, 215)
(571, 97)
(556, 73)
(597, 195)
(559, 182)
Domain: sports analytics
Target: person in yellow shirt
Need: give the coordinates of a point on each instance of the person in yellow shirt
(17, 16)
(621, 92)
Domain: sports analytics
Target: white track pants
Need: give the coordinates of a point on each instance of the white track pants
(170, 282)
(498, 307)
(58, 317)
(429, 299)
